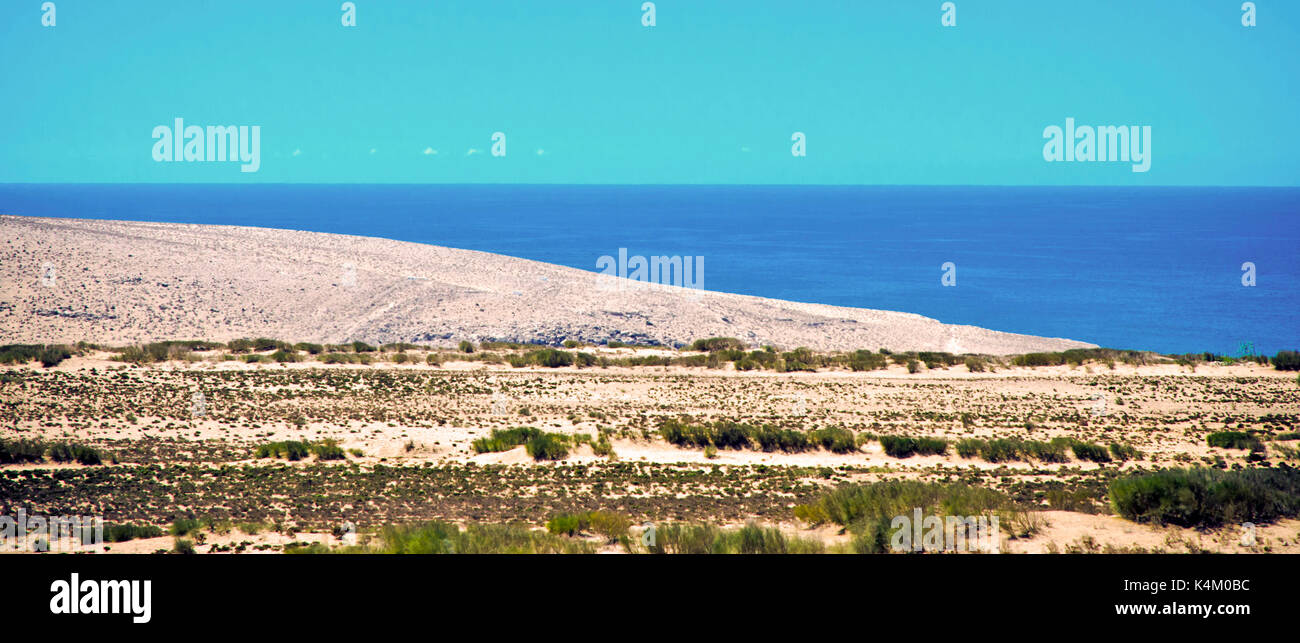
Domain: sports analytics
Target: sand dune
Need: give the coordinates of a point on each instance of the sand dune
(64, 280)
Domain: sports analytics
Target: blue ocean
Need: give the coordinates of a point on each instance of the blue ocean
(1123, 267)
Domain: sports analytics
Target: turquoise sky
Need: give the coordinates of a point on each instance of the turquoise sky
(711, 94)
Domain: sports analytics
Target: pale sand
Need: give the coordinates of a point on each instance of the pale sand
(121, 282)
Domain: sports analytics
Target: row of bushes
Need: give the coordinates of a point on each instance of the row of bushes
(440, 537)
(1203, 497)
(47, 354)
(1054, 450)
(1287, 361)
(327, 449)
(18, 451)
(1234, 440)
(677, 538)
(867, 511)
(539, 444)
(734, 435)
(551, 358)
(505, 439)
(607, 524)
(906, 447)
(1080, 356)
(1009, 449)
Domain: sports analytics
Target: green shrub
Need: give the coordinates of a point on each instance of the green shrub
(566, 524)
(117, 533)
(328, 449)
(185, 526)
(971, 447)
(717, 344)
(609, 525)
(862, 360)
(1124, 452)
(68, 452)
(239, 345)
(1009, 449)
(1286, 361)
(47, 354)
(771, 438)
(293, 450)
(905, 447)
(548, 446)
(835, 440)
(1232, 440)
(52, 355)
(1089, 451)
(1203, 497)
(465, 346)
(18, 451)
(505, 440)
(439, 537)
(862, 507)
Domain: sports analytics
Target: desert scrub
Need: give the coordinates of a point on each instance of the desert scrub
(69, 452)
(548, 446)
(505, 440)
(725, 434)
(607, 524)
(551, 358)
(1089, 451)
(294, 450)
(1124, 452)
(904, 447)
(47, 355)
(439, 537)
(1009, 449)
(677, 538)
(1203, 497)
(1232, 440)
(16, 451)
(851, 504)
(868, 511)
(835, 440)
(1286, 361)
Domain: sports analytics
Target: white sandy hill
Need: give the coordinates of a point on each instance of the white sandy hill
(118, 282)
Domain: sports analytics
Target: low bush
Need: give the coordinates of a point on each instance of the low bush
(69, 452)
(18, 451)
(548, 446)
(905, 447)
(835, 440)
(1232, 440)
(676, 538)
(1089, 451)
(117, 533)
(1124, 452)
(293, 450)
(504, 440)
(1286, 361)
(1204, 497)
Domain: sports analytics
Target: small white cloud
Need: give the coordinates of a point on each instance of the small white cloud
(471, 152)
(297, 152)
(429, 151)
(540, 151)
(373, 150)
